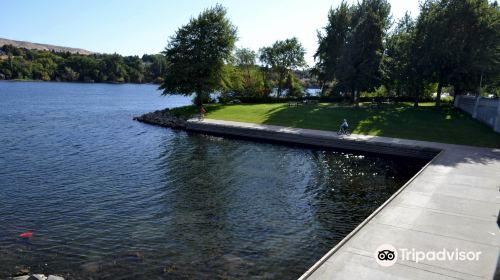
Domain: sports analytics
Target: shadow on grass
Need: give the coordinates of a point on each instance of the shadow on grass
(426, 123)
(444, 125)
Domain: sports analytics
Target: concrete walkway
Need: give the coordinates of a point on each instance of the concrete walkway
(453, 204)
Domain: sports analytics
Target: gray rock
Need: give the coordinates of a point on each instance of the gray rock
(37, 277)
(24, 277)
(162, 118)
(55, 277)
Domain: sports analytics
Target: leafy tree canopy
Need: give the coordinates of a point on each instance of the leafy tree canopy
(351, 48)
(282, 57)
(197, 53)
(245, 57)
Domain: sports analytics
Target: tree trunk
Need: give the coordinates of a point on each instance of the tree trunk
(199, 99)
(278, 94)
(398, 94)
(438, 94)
(457, 91)
(480, 85)
(265, 77)
(417, 95)
(281, 77)
(323, 88)
(353, 95)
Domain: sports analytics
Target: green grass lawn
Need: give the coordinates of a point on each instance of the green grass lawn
(402, 121)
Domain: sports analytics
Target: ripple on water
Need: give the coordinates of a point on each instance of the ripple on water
(113, 198)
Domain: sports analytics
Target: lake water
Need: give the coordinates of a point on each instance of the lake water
(111, 198)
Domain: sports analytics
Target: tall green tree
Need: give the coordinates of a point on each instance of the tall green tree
(87, 67)
(245, 57)
(251, 76)
(283, 57)
(351, 51)
(197, 54)
(135, 69)
(155, 67)
(331, 43)
(400, 66)
(245, 60)
(359, 66)
(293, 86)
(460, 42)
(114, 67)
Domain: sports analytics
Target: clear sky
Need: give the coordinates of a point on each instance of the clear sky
(135, 27)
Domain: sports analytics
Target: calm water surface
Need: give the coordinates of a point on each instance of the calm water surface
(111, 198)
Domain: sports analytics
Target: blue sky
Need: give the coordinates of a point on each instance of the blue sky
(134, 27)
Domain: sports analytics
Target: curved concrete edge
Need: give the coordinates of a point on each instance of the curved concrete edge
(323, 259)
(322, 139)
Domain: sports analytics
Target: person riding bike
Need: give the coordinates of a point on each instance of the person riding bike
(344, 126)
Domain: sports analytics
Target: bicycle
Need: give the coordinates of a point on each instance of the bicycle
(344, 131)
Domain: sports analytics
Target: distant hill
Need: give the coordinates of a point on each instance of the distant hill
(36, 46)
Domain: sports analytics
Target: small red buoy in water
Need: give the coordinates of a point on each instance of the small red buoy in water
(29, 233)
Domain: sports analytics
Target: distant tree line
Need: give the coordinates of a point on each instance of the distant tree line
(239, 76)
(25, 64)
(452, 43)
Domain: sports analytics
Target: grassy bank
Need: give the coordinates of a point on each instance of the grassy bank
(402, 121)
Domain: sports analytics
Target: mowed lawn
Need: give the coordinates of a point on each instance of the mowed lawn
(427, 122)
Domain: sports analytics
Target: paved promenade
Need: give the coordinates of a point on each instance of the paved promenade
(452, 204)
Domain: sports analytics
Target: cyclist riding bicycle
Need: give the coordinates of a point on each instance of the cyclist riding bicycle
(344, 126)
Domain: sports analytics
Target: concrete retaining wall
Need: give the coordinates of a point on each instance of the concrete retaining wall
(483, 109)
(344, 143)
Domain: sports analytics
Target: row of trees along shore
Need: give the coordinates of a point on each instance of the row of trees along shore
(452, 43)
(25, 64)
(452, 46)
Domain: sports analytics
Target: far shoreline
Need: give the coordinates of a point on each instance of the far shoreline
(75, 82)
